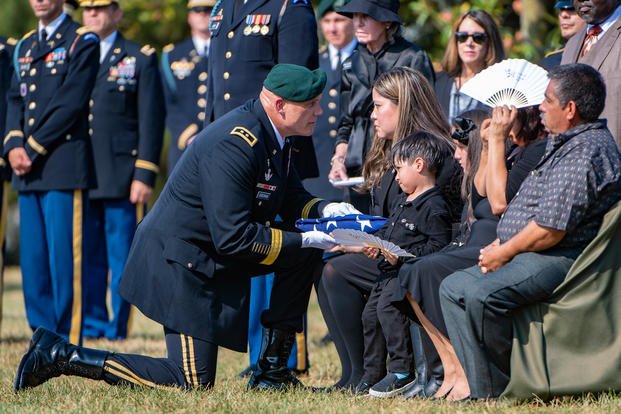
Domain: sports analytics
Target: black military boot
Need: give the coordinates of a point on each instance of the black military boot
(49, 356)
(272, 372)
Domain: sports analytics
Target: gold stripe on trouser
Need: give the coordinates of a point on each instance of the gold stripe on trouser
(132, 309)
(75, 333)
(3, 212)
(300, 341)
(118, 370)
(189, 363)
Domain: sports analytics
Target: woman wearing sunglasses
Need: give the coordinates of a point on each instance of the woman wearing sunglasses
(496, 154)
(474, 45)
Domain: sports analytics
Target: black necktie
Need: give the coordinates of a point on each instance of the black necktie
(43, 35)
(339, 64)
(286, 155)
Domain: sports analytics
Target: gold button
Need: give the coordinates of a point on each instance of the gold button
(31, 121)
(121, 88)
(190, 265)
(53, 71)
(228, 54)
(332, 105)
(90, 117)
(333, 133)
(331, 119)
(267, 224)
(202, 76)
(134, 152)
(201, 116)
(33, 71)
(33, 87)
(90, 131)
(226, 75)
(32, 105)
(23, 73)
(230, 34)
(91, 103)
(201, 102)
(333, 92)
(227, 96)
(68, 137)
(202, 89)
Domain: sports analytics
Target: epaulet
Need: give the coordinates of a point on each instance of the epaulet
(147, 50)
(245, 134)
(30, 33)
(83, 30)
(323, 48)
(554, 52)
(168, 48)
(11, 41)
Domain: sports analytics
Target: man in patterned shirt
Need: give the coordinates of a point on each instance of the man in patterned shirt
(556, 213)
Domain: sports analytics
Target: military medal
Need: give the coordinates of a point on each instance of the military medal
(248, 28)
(265, 30)
(265, 21)
(256, 28)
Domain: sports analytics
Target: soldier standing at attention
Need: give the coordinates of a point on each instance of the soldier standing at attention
(248, 38)
(6, 71)
(49, 148)
(338, 30)
(184, 72)
(127, 124)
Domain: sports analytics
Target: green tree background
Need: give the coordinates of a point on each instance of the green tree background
(427, 22)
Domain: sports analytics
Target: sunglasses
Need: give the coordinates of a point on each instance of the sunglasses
(478, 38)
(201, 9)
(463, 127)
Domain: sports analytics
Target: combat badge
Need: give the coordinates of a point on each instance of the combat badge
(182, 68)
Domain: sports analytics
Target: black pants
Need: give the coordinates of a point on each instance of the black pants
(386, 333)
(191, 363)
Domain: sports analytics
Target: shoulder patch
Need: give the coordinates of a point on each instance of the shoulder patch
(147, 50)
(30, 33)
(11, 41)
(245, 134)
(168, 48)
(83, 30)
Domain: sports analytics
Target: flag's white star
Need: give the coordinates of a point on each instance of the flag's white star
(363, 223)
(331, 223)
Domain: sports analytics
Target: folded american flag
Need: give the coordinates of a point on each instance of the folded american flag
(368, 224)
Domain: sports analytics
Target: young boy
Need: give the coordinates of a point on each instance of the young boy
(420, 224)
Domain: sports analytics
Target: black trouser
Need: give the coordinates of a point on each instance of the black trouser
(386, 332)
(191, 362)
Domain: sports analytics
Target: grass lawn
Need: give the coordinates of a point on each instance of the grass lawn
(69, 394)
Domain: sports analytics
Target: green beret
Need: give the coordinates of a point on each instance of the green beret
(329, 5)
(295, 83)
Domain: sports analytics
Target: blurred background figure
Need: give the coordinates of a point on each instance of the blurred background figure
(184, 73)
(70, 7)
(569, 24)
(474, 45)
(126, 127)
(338, 31)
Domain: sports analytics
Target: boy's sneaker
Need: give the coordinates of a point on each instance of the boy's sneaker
(390, 385)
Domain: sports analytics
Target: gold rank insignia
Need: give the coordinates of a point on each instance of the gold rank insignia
(11, 41)
(245, 134)
(147, 50)
(83, 30)
(169, 47)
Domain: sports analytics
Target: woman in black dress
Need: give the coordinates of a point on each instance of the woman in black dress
(404, 103)
(512, 144)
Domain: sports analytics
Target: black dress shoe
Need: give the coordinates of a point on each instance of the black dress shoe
(415, 392)
(247, 371)
(362, 388)
(433, 385)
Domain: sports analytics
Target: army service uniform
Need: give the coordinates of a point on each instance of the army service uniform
(184, 73)
(127, 124)
(47, 116)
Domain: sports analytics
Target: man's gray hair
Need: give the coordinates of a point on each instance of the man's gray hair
(583, 85)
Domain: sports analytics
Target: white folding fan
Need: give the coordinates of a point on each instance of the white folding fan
(514, 82)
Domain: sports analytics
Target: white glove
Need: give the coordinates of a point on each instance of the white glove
(318, 240)
(339, 209)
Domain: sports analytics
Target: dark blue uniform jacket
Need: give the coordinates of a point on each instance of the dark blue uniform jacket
(184, 74)
(48, 108)
(127, 119)
(6, 71)
(190, 263)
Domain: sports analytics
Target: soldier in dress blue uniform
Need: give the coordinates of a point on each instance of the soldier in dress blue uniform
(210, 229)
(48, 146)
(6, 71)
(184, 71)
(249, 37)
(127, 123)
(569, 24)
(338, 30)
